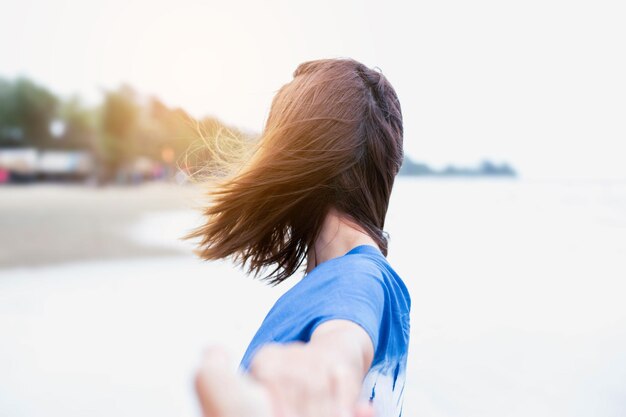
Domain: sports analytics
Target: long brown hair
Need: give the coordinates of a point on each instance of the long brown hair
(333, 138)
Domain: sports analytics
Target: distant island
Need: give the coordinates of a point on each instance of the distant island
(484, 169)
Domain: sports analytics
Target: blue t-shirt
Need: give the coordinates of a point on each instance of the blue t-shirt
(359, 286)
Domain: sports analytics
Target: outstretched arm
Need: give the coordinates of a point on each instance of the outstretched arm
(321, 378)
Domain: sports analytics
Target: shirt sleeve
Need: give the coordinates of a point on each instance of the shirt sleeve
(357, 296)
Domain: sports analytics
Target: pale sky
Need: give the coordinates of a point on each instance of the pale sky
(538, 83)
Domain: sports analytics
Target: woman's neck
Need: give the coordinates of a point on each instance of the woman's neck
(337, 237)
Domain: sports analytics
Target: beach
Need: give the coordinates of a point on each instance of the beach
(517, 298)
(50, 224)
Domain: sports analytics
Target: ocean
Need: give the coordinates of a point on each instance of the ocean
(518, 309)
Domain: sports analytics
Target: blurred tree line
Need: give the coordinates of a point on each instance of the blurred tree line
(118, 131)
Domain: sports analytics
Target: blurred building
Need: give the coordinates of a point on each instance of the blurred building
(28, 164)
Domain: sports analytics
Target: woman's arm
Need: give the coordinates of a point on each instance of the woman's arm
(348, 340)
(321, 378)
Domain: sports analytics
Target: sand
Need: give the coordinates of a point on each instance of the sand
(50, 224)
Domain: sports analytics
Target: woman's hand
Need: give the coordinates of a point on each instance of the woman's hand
(321, 378)
(223, 392)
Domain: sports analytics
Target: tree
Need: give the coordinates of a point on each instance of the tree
(118, 127)
(26, 111)
(79, 126)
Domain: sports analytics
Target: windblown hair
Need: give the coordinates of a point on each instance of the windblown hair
(333, 139)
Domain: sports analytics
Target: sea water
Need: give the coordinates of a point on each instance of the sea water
(518, 294)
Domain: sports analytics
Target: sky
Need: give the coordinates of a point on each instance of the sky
(537, 83)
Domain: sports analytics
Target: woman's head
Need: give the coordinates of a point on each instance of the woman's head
(333, 139)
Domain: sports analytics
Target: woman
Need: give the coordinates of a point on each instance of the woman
(316, 192)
